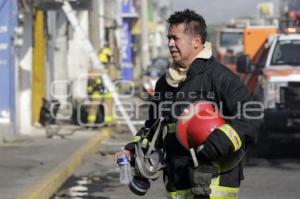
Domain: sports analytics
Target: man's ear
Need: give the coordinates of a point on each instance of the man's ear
(197, 41)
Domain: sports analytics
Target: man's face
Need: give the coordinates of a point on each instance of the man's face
(182, 45)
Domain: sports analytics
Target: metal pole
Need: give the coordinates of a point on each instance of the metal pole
(144, 35)
(101, 23)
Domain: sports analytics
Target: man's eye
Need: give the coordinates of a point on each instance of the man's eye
(172, 37)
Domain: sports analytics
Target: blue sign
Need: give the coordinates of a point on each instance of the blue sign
(126, 6)
(8, 21)
(126, 42)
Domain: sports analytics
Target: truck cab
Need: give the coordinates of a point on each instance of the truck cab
(280, 83)
(275, 77)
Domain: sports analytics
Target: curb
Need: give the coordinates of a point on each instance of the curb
(53, 180)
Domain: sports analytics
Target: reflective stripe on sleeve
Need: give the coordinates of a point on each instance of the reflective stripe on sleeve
(232, 136)
(181, 194)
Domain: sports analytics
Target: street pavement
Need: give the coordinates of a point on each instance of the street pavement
(272, 179)
(34, 167)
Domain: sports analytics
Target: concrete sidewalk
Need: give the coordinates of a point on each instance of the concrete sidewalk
(35, 167)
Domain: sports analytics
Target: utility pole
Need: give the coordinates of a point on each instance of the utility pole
(101, 16)
(144, 35)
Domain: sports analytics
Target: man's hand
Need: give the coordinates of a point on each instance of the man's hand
(200, 177)
(128, 153)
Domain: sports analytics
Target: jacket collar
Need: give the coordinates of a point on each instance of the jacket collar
(199, 63)
(206, 52)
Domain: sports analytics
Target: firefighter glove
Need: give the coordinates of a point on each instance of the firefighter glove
(200, 179)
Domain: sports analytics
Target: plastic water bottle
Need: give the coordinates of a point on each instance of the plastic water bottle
(125, 169)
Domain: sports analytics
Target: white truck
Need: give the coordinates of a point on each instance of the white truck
(275, 76)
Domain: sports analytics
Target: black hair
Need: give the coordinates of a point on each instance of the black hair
(194, 22)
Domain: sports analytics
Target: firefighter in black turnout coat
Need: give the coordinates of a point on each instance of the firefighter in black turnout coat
(195, 75)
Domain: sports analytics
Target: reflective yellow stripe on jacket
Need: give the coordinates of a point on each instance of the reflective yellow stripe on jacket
(98, 95)
(218, 192)
(232, 135)
(92, 118)
(221, 192)
(108, 118)
(181, 194)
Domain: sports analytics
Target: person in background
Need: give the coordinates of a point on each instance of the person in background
(105, 57)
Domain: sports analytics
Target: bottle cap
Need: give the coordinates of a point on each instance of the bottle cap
(122, 159)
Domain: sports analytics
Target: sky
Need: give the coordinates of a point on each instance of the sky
(220, 11)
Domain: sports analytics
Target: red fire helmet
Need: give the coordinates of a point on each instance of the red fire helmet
(196, 123)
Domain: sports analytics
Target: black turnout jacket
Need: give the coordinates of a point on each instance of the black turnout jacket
(206, 80)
